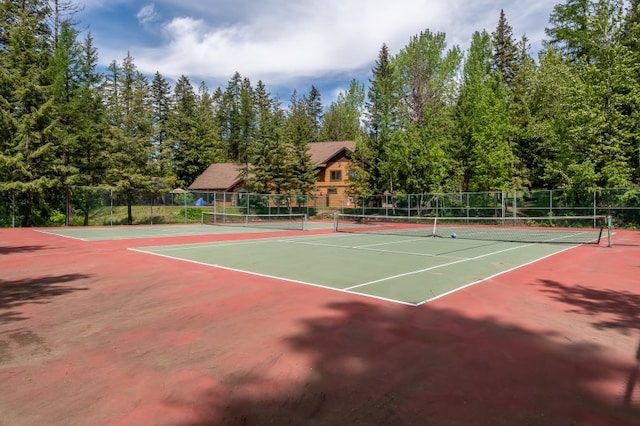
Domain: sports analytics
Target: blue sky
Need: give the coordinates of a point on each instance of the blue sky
(288, 44)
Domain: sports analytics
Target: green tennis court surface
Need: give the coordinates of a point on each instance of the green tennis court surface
(155, 231)
(410, 270)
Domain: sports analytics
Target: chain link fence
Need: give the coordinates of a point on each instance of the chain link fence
(95, 206)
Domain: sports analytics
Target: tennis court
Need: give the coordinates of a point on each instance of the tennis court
(223, 329)
(410, 270)
(395, 258)
(273, 224)
(150, 231)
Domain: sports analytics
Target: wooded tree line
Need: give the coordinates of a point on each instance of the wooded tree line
(432, 117)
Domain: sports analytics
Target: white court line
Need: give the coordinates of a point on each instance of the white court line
(365, 248)
(436, 267)
(61, 235)
(257, 274)
(392, 242)
(411, 253)
(207, 245)
(214, 244)
(347, 290)
(456, 262)
(492, 276)
(314, 244)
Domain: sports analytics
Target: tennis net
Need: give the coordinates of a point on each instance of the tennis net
(293, 221)
(552, 229)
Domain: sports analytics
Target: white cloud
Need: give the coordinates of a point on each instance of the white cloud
(279, 41)
(147, 15)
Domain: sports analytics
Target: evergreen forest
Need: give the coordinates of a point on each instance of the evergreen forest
(432, 117)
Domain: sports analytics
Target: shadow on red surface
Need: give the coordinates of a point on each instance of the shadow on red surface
(375, 365)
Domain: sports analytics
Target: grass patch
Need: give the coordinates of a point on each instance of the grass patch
(142, 215)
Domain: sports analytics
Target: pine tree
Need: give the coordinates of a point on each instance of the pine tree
(229, 118)
(246, 120)
(483, 118)
(61, 12)
(270, 154)
(505, 51)
(77, 120)
(521, 115)
(131, 131)
(314, 111)
(91, 157)
(206, 130)
(27, 153)
(299, 125)
(370, 157)
(161, 108)
(298, 133)
(64, 73)
(186, 149)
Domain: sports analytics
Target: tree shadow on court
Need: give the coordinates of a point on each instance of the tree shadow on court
(16, 293)
(371, 364)
(4, 250)
(622, 308)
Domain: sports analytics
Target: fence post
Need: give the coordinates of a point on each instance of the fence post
(13, 210)
(111, 207)
(468, 207)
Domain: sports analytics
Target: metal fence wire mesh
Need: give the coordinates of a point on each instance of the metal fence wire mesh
(102, 206)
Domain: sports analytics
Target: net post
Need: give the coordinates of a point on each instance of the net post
(435, 225)
(609, 231)
(304, 223)
(335, 222)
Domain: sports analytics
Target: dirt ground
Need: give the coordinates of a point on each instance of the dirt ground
(94, 334)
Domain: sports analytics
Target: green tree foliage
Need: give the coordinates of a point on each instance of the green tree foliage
(580, 27)
(79, 125)
(630, 39)
(601, 118)
(505, 51)
(271, 163)
(299, 127)
(570, 119)
(130, 133)
(64, 70)
(207, 129)
(521, 116)
(546, 132)
(91, 159)
(484, 120)
(315, 112)
(186, 147)
(298, 134)
(229, 118)
(28, 151)
(369, 163)
(161, 110)
(194, 132)
(419, 156)
(341, 121)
